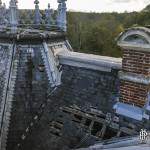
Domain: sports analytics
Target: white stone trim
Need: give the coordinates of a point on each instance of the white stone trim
(89, 61)
(141, 31)
(134, 46)
(130, 111)
(136, 78)
(53, 73)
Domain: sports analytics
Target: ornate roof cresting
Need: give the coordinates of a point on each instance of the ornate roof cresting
(48, 15)
(37, 15)
(3, 16)
(10, 17)
(61, 17)
(13, 14)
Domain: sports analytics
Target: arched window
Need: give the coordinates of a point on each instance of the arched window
(136, 39)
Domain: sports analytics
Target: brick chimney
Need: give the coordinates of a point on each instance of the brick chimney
(134, 100)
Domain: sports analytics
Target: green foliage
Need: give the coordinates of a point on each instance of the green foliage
(147, 8)
(96, 32)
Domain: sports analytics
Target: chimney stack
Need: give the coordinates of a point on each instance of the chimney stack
(134, 100)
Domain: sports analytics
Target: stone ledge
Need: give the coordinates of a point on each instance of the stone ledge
(128, 143)
(89, 61)
(134, 46)
(31, 34)
(136, 78)
(130, 111)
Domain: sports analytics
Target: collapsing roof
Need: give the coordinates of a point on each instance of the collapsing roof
(81, 101)
(54, 98)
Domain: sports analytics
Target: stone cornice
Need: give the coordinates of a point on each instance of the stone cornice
(134, 46)
(89, 61)
(31, 34)
(136, 78)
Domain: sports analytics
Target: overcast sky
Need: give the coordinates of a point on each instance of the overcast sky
(90, 5)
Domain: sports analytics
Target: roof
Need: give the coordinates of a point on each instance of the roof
(88, 81)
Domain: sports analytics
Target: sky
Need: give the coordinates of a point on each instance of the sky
(89, 5)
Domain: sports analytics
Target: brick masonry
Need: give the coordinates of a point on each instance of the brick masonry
(137, 62)
(133, 93)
